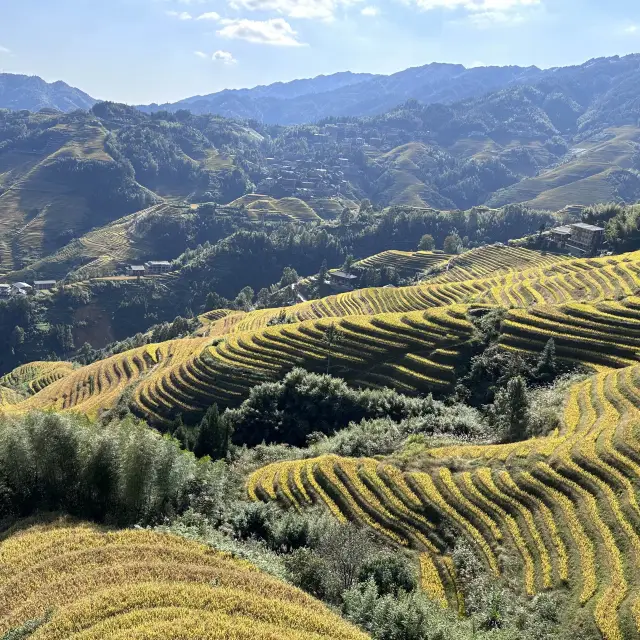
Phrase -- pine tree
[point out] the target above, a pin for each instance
(331, 338)
(510, 410)
(546, 368)
(214, 436)
(322, 274)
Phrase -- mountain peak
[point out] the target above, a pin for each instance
(19, 91)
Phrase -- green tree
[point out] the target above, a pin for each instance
(331, 338)
(452, 243)
(323, 276)
(16, 338)
(348, 263)
(263, 297)
(510, 410)
(289, 277)
(244, 299)
(427, 243)
(213, 301)
(546, 367)
(63, 335)
(346, 217)
(365, 205)
(214, 435)
(324, 270)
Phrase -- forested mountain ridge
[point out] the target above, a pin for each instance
(354, 94)
(33, 93)
(428, 84)
(570, 139)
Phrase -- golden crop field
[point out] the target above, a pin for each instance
(404, 262)
(140, 584)
(35, 376)
(258, 206)
(551, 280)
(98, 386)
(566, 504)
(487, 261)
(408, 338)
(411, 352)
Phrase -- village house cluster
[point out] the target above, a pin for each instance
(24, 288)
(330, 167)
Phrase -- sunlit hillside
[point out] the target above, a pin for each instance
(408, 338)
(588, 175)
(94, 583)
(566, 504)
(36, 207)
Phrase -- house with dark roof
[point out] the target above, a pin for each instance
(44, 285)
(342, 281)
(156, 267)
(586, 237)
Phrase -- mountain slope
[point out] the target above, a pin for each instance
(344, 94)
(33, 93)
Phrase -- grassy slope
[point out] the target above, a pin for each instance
(400, 165)
(258, 205)
(99, 250)
(583, 180)
(33, 209)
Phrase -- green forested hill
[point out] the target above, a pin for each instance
(570, 138)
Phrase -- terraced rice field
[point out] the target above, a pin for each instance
(488, 261)
(141, 584)
(407, 338)
(120, 241)
(9, 397)
(566, 504)
(98, 386)
(35, 207)
(406, 263)
(35, 376)
(558, 282)
(258, 206)
(411, 352)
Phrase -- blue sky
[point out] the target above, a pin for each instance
(141, 51)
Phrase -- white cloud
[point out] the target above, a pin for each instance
(4, 50)
(224, 56)
(318, 9)
(370, 11)
(180, 15)
(201, 54)
(485, 13)
(632, 28)
(476, 5)
(276, 31)
(210, 15)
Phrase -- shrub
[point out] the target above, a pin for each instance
(391, 573)
(307, 570)
(407, 616)
(291, 531)
(305, 403)
(253, 520)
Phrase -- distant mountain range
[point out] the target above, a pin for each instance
(339, 94)
(33, 93)
(347, 94)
